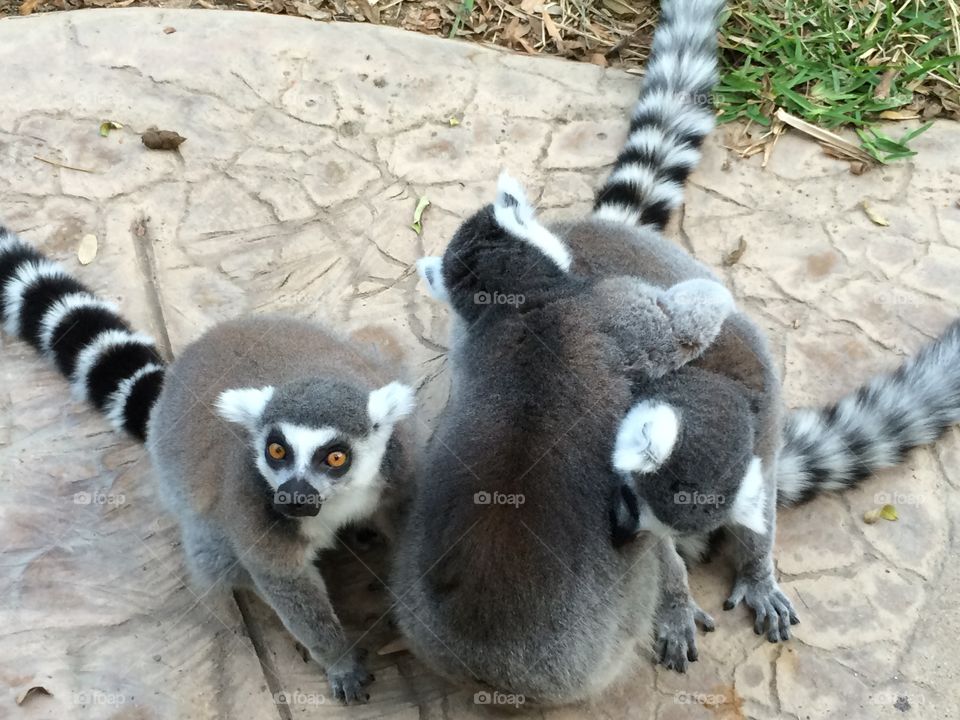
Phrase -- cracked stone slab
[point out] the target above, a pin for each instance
(308, 148)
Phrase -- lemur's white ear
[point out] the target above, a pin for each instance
(697, 309)
(430, 269)
(646, 437)
(516, 215)
(243, 406)
(390, 403)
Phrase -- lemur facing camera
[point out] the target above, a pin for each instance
(621, 382)
(267, 435)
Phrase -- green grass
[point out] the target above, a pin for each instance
(824, 60)
(463, 12)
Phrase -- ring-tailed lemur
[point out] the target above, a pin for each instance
(267, 435)
(532, 597)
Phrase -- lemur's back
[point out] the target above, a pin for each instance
(608, 249)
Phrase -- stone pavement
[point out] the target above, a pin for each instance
(308, 147)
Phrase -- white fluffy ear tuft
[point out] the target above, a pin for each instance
(516, 215)
(430, 269)
(646, 437)
(390, 403)
(243, 406)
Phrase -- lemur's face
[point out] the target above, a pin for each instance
(316, 438)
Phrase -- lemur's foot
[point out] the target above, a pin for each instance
(773, 612)
(349, 678)
(677, 633)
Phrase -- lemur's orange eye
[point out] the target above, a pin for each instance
(277, 451)
(336, 459)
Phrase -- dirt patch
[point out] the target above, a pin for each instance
(604, 32)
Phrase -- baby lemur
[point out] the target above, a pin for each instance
(604, 343)
(267, 435)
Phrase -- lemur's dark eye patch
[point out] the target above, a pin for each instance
(276, 450)
(333, 459)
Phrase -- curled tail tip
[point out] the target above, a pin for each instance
(116, 369)
(874, 427)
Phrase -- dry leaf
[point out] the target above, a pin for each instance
(87, 250)
(418, 215)
(551, 27)
(733, 257)
(169, 30)
(619, 7)
(28, 6)
(31, 692)
(887, 512)
(882, 91)
(107, 125)
(162, 139)
(899, 115)
(875, 217)
(831, 140)
(453, 121)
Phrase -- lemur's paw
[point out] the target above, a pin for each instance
(772, 610)
(677, 634)
(349, 678)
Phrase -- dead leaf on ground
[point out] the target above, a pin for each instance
(169, 30)
(887, 512)
(882, 91)
(32, 692)
(835, 143)
(162, 139)
(899, 115)
(87, 250)
(107, 125)
(28, 6)
(875, 217)
(422, 205)
(733, 257)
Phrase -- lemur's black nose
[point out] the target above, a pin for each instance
(297, 498)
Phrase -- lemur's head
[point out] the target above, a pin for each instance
(313, 438)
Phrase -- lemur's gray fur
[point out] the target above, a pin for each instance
(547, 597)
(267, 435)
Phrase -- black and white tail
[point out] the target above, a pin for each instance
(873, 428)
(671, 119)
(116, 369)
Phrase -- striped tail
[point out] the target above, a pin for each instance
(116, 369)
(873, 428)
(671, 119)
